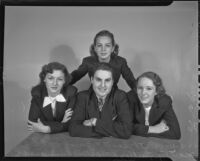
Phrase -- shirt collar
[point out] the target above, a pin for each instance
(49, 100)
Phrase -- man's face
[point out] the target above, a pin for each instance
(102, 82)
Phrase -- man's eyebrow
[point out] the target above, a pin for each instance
(108, 79)
(97, 78)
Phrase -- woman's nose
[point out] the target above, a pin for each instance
(54, 82)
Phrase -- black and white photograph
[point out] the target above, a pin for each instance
(101, 81)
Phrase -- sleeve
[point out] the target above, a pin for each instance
(137, 127)
(80, 72)
(171, 120)
(76, 128)
(120, 125)
(169, 116)
(56, 126)
(34, 112)
(128, 75)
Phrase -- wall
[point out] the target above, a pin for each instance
(161, 39)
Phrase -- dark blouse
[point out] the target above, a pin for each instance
(118, 64)
(161, 110)
(114, 119)
(45, 114)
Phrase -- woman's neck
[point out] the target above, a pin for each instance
(107, 60)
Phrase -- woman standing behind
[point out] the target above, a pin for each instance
(104, 49)
(52, 100)
(152, 110)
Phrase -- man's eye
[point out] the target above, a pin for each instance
(60, 79)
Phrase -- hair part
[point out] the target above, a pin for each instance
(108, 34)
(157, 81)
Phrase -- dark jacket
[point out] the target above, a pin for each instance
(45, 114)
(118, 64)
(115, 106)
(161, 110)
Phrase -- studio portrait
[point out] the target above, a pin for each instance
(101, 81)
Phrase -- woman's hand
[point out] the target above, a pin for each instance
(159, 128)
(67, 116)
(38, 127)
(90, 122)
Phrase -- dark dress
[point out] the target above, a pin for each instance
(114, 119)
(118, 64)
(45, 114)
(161, 110)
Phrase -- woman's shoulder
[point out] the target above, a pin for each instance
(37, 90)
(89, 59)
(119, 58)
(164, 100)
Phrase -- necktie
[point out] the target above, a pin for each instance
(100, 104)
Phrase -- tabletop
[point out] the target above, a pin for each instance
(63, 145)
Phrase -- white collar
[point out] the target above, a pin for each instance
(49, 100)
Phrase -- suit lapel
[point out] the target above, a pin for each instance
(140, 114)
(155, 113)
(47, 111)
(93, 110)
(60, 109)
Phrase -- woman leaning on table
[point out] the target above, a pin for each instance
(153, 115)
(52, 100)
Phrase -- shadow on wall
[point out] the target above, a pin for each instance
(16, 108)
(65, 55)
(141, 62)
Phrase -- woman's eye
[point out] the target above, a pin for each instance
(108, 45)
(149, 88)
(50, 78)
(98, 45)
(60, 79)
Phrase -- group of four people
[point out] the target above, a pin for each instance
(103, 109)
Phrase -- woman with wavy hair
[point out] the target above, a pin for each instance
(52, 100)
(152, 111)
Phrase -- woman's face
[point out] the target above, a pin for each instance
(104, 47)
(146, 91)
(54, 82)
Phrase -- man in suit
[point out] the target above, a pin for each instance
(102, 110)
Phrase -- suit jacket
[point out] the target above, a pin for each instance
(45, 113)
(118, 64)
(161, 110)
(114, 119)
